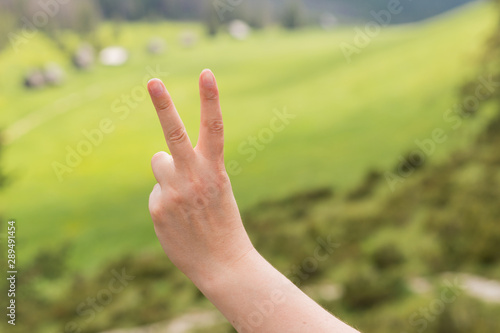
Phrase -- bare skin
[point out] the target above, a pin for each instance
(198, 224)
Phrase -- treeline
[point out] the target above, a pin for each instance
(110, 9)
(131, 10)
(84, 17)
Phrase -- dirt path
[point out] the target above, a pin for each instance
(43, 115)
(182, 324)
(481, 288)
(475, 286)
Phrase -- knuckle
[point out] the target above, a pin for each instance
(199, 199)
(212, 95)
(215, 185)
(199, 192)
(215, 126)
(195, 193)
(156, 211)
(175, 199)
(177, 135)
(194, 187)
(157, 157)
(221, 180)
(164, 104)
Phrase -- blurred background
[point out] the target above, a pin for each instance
(366, 131)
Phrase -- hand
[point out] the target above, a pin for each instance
(195, 215)
(199, 226)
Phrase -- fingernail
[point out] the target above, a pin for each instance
(156, 88)
(208, 79)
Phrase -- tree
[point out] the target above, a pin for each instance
(7, 21)
(490, 65)
(260, 14)
(212, 20)
(293, 15)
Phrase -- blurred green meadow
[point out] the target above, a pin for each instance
(347, 120)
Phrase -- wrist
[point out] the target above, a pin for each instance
(220, 280)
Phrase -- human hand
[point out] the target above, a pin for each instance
(199, 226)
(195, 215)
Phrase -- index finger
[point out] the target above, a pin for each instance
(175, 133)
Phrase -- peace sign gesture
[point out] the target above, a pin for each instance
(196, 217)
(211, 138)
(199, 226)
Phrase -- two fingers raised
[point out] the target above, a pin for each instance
(211, 138)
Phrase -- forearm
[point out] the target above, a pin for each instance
(197, 221)
(255, 297)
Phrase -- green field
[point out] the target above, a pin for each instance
(350, 118)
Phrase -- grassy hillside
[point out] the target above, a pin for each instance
(349, 118)
(442, 218)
